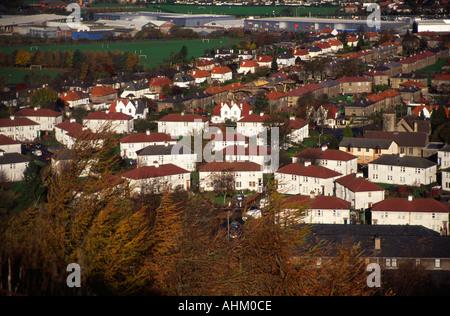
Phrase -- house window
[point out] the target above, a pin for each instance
(437, 263)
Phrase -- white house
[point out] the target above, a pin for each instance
(357, 190)
(12, 166)
(222, 140)
(158, 178)
(75, 98)
(183, 80)
(258, 154)
(178, 155)
(443, 155)
(248, 66)
(116, 122)
(46, 118)
(299, 130)
(66, 130)
(314, 209)
(182, 124)
(265, 61)
(301, 53)
(285, 60)
(221, 74)
(20, 128)
(429, 213)
(135, 90)
(245, 175)
(9, 145)
(305, 178)
(233, 111)
(135, 108)
(252, 124)
(445, 179)
(402, 170)
(333, 159)
(201, 76)
(130, 144)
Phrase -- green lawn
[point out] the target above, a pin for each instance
(155, 52)
(15, 75)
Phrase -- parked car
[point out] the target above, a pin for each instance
(254, 212)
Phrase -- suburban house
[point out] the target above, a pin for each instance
(182, 124)
(12, 166)
(157, 84)
(136, 108)
(285, 59)
(20, 128)
(201, 76)
(116, 122)
(357, 190)
(158, 178)
(65, 131)
(183, 80)
(221, 73)
(233, 111)
(258, 154)
(252, 124)
(301, 53)
(247, 66)
(130, 144)
(314, 209)
(103, 94)
(402, 170)
(429, 213)
(354, 85)
(75, 98)
(177, 154)
(46, 118)
(135, 90)
(305, 178)
(9, 145)
(366, 149)
(264, 61)
(443, 155)
(337, 160)
(243, 175)
(409, 143)
(299, 130)
(221, 140)
(445, 179)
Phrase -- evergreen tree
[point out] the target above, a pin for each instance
(32, 191)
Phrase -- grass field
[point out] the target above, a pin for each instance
(15, 75)
(155, 52)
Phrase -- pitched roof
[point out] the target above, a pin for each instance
(255, 118)
(249, 63)
(12, 158)
(110, 116)
(5, 140)
(174, 117)
(154, 171)
(405, 161)
(356, 183)
(160, 81)
(37, 113)
(327, 154)
(365, 143)
(309, 171)
(198, 73)
(242, 166)
(220, 70)
(102, 91)
(146, 138)
(69, 126)
(19, 121)
(243, 106)
(264, 59)
(416, 205)
(297, 123)
(275, 95)
(164, 150)
(353, 79)
(319, 202)
(407, 139)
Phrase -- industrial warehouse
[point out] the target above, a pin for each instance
(299, 24)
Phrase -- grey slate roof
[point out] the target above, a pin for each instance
(162, 150)
(12, 158)
(365, 143)
(405, 161)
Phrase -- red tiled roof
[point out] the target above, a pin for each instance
(358, 184)
(416, 205)
(111, 116)
(220, 70)
(249, 63)
(304, 90)
(113, 105)
(319, 202)
(144, 138)
(233, 86)
(309, 171)
(323, 45)
(254, 118)
(204, 62)
(244, 106)
(200, 73)
(182, 118)
(18, 121)
(102, 91)
(72, 96)
(243, 166)
(70, 127)
(412, 83)
(352, 79)
(5, 140)
(327, 154)
(297, 123)
(264, 59)
(153, 172)
(300, 52)
(275, 95)
(37, 113)
(160, 81)
(214, 90)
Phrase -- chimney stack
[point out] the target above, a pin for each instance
(410, 198)
(377, 243)
(307, 163)
(147, 132)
